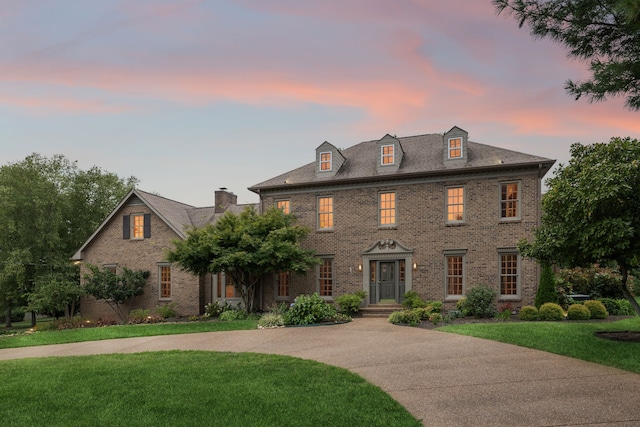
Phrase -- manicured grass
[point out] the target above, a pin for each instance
(124, 331)
(191, 388)
(568, 338)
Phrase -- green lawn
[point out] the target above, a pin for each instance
(124, 331)
(189, 388)
(568, 338)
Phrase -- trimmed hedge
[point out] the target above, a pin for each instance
(578, 312)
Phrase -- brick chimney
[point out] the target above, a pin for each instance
(224, 199)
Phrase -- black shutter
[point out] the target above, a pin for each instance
(126, 228)
(147, 226)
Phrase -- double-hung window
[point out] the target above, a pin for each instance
(455, 204)
(325, 278)
(509, 200)
(284, 206)
(454, 274)
(387, 209)
(387, 155)
(282, 285)
(164, 274)
(325, 161)
(455, 148)
(509, 275)
(325, 213)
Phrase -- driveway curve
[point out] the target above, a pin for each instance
(441, 378)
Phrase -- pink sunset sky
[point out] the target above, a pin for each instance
(189, 96)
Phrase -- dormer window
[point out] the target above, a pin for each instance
(387, 155)
(325, 161)
(455, 148)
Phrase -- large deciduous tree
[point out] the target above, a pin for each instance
(604, 32)
(245, 246)
(48, 208)
(591, 211)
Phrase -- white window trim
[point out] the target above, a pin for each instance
(518, 216)
(333, 219)
(330, 161)
(160, 297)
(449, 149)
(393, 155)
(333, 278)
(446, 205)
(517, 296)
(395, 209)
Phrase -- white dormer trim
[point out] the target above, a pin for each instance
(454, 148)
(387, 158)
(323, 161)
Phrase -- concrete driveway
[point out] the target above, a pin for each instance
(443, 379)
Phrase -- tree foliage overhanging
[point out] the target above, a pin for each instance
(245, 246)
(48, 208)
(604, 32)
(591, 211)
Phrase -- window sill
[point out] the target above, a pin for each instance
(508, 220)
(387, 227)
(509, 298)
(455, 224)
(325, 230)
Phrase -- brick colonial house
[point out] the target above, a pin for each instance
(137, 234)
(432, 213)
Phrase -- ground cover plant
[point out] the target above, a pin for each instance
(573, 339)
(180, 388)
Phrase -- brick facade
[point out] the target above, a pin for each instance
(110, 249)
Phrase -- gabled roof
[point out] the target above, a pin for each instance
(178, 216)
(423, 156)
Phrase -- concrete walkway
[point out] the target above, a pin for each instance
(443, 379)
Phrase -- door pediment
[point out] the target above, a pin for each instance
(387, 247)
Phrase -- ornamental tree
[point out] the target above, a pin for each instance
(590, 213)
(245, 246)
(606, 33)
(115, 289)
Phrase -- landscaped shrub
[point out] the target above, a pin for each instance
(528, 312)
(271, 320)
(215, 308)
(578, 312)
(460, 306)
(595, 281)
(233, 315)
(436, 318)
(412, 300)
(504, 312)
(625, 308)
(551, 311)
(349, 304)
(597, 309)
(480, 302)
(308, 309)
(547, 287)
(166, 310)
(405, 317)
(611, 305)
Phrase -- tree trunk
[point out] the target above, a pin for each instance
(625, 291)
(33, 319)
(7, 317)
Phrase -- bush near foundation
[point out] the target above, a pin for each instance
(480, 302)
(597, 309)
(309, 309)
(618, 307)
(551, 312)
(528, 312)
(578, 312)
(405, 317)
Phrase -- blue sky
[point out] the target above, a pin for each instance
(190, 96)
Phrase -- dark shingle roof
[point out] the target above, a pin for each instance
(178, 216)
(423, 155)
